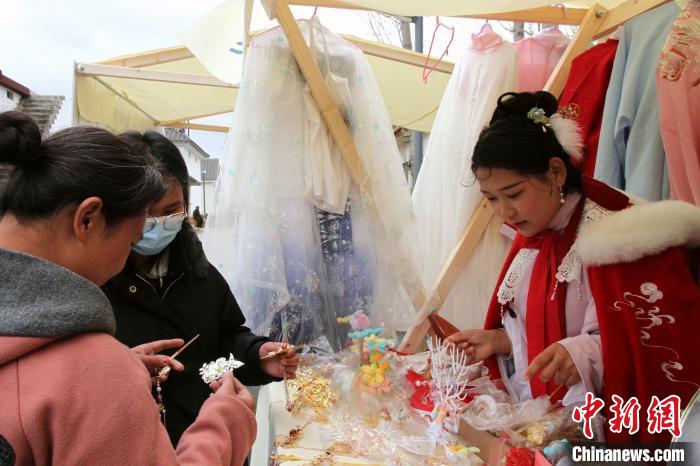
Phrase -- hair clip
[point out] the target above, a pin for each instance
(538, 116)
(278, 351)
(215, 370)
(570, 111)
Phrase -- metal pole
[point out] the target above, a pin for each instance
(204, 194)
(417, 135)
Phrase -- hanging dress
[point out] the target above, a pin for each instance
(630, 152)
(446, 192)
(299, 243)
(583, 96)
(678, 85)
(538, 55)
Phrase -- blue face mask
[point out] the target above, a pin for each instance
(158, 237)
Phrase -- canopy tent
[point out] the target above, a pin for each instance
(170, 87)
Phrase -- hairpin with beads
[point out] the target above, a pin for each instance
(162, 373)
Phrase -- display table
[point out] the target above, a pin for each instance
(337, 418)
(273, 419)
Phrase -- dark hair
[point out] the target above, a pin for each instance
(170, 163)
(173, 169)
(70, 166)
(515, 142)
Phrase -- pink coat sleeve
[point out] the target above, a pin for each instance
(87, 400)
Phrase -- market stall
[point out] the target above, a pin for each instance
(363, 376)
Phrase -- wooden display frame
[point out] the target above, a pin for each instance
(595, 23)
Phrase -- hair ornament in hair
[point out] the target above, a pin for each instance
(569, 136)
(538, 116)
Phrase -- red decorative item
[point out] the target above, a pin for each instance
(421, 398)
(520, 457)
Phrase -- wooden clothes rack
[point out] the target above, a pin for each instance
(596, 22)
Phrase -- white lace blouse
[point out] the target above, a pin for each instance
(582, 333)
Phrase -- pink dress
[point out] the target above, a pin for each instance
(538, 56)
(678, 86)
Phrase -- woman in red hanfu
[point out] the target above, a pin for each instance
(596, 294)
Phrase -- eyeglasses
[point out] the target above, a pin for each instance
(170, 222)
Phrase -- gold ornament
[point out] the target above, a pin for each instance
(310, 388)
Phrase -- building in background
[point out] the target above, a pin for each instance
(43, 108)
(203, 169)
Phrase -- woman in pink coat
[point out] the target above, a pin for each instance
(72, 394)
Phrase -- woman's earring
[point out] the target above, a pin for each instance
(561, 195)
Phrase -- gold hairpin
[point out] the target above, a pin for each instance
(277, 352)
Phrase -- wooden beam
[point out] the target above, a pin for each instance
(328, 4)
(150, 58)
(623, 13)
(545, 15)
(198, 127)
(89, 69)
(454, 264)
(398, 54)
(580, 43)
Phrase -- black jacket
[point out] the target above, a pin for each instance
(200, 302)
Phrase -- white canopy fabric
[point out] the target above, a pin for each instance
(138, 95)
(121, 103)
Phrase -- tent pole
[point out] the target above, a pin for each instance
(417, 135)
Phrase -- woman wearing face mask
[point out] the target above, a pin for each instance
(71, 394)
(596, 295)
(169, 290)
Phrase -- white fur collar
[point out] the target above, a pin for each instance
(639, 231)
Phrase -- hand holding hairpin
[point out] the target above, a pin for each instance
(278, 359)
(282, 349)
(154, 362)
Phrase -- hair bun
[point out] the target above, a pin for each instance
(20, 139)
(518, 104)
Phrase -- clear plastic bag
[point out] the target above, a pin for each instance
(486, 413)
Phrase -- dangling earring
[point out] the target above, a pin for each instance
(561, 195)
